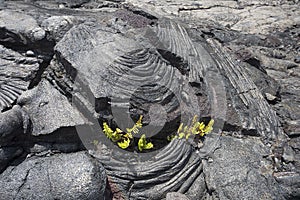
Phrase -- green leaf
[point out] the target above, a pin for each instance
(180, 128)
(181, 135)
(124, 144)
(143, 144)
(209, 126)
(135, 128)
(107, 130)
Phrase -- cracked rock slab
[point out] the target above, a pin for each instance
(49, 110)
(237, 167)
(66, 176)
(16, 27)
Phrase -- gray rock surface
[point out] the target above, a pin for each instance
(8, 154)
(176, 196)
(49, 110)
(289, 183)
(2, 3)
(65, 176)
(16, 73)
(57, 26)
(236, 167)
(87, 56)
(254, 113)
(13, 124)
(198, 190)
(154, 177)
(246, 52)
(72, 3)
(18, 28)
(254, 17)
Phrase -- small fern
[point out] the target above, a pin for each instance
(196, 128)
(124, 140)
(143, 144)
(112, 135)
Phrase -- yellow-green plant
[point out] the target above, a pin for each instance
(143, 144)
(135, 128)
(196, 128)
(124, 139)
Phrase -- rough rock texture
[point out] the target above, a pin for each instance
(16, 73)
(176, 196)
(57, 26)
(80, 45)
(169, 171)
(229, 176)
(152, 51)
(66, 176)
(254, 17)
(48, 109)
(66, 66)
(14, 123)
(8, 154)
(18, 27)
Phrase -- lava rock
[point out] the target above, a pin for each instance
(290, 183)
(292, 128)
(72, 3)
(16, 74)
(176, 196)
(290, 114)
(57, 26)
(270, 97)
(49, 110)
(30, 53)
(67, 176)
(239, 166)
(2, 4)
(17, 28)
(92, 57)
(198, 188)
(297, 59)
(86, 58)
(13, 123)
(7, 154)
(268, 86)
